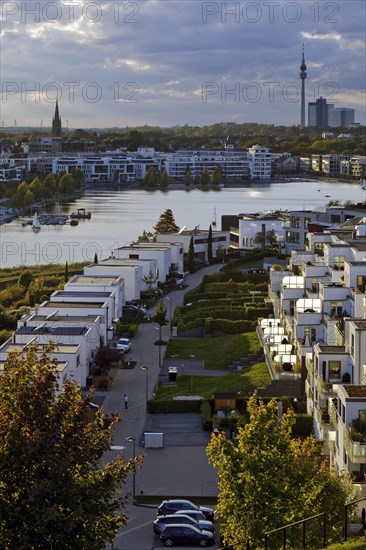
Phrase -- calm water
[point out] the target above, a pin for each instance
(118, 217)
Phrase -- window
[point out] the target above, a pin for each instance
(334, 368)
(292, 237)
(361, 283)
(335, 218)
(319, 249)
(295, 221)
(338, 262)
(336, 309)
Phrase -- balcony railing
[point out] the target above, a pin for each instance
(333, 413)
(355, 449)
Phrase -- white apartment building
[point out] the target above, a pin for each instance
(85, 283)
(321, 304)
(220, 242)
(260, 161)
(132, 275)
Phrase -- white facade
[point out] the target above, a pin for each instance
(83, 283)
(132, 275)
(260, 162)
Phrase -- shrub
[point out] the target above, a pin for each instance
(206, 417)
(303, 426)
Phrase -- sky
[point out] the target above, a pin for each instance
(176, 62)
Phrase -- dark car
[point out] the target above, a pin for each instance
(195, 514)
(173, 505)
(186, 534)
(182, 519)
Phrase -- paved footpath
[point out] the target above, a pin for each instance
(173, 470)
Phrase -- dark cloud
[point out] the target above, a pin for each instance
(169, 49)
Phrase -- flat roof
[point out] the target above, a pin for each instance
(58, 331)
(74, 305)
(359, 323)
(97, 279)
(332, 349)
(61, 365)
(91, 293)
(59, 348)
(355, 391)
(112, 263)
(62, 318)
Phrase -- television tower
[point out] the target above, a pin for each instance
(302, 77)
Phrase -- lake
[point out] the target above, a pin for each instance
(120, 216)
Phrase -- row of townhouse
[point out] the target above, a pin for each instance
(78, 317)
(127, 167)
(320, 317)
(291, 228)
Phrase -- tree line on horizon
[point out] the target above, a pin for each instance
(290, 139)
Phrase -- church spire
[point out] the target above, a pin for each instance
(56, 122)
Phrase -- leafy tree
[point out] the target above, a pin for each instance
(25, 278)
(164, 182)
(188, 177)
(56, 490)
(146, 237)
(216, 176)
(151, 177)
(29, 198)
(166, 223)
(270, 238)
(105, 356)
(268, 479)
(160, 314)
(66, 272)
(150, 281)
(50, 183)
(36, 186)
(190, 255)
(209, 244)
(205, 177)
(66, 185)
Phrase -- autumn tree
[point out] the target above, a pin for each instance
(164, 182)
(166, 223)
(56, 488)
(188, 177)
(216, 175)
(267, 479)
(205, 177)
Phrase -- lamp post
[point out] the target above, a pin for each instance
(146, 369)
(130, 438)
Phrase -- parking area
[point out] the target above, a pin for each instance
(138, 533)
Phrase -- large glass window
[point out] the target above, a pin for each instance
(292, 237)
(334, 368)
(295, 221)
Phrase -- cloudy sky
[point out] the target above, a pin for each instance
(175, 62)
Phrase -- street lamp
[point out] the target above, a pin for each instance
(146, 369)
(130, 438)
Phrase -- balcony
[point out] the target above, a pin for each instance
(325, 389)
(356, 450)
(332, 411)
(322, 415)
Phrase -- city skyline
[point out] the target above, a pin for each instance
(173, 63)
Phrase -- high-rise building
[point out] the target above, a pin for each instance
(341, 117)
(56, 123)
(302, 77)
(318, 113)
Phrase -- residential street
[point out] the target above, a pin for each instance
(180, 469)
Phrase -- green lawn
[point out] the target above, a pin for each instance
(355, 545)
(217, 353)
(205, 386)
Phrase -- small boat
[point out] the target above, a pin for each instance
(74, 222)
(36, 226)
(214, 217)
(81, 214)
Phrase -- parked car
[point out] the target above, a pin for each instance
(195, 514)
(182, 519)
(134, 307)
(124, 344)
(186, 534)
(173, 505)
